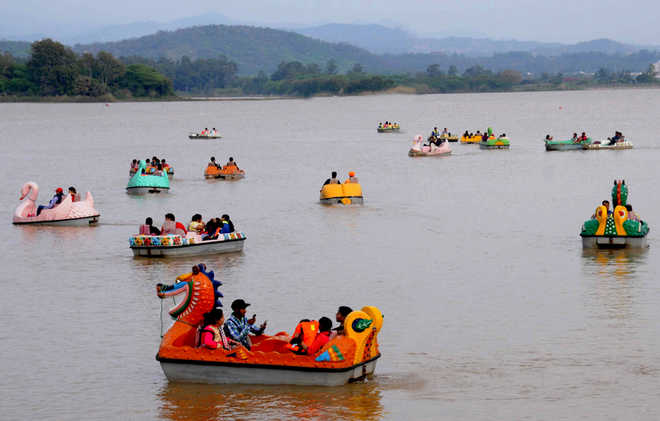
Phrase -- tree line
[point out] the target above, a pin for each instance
(55, 70)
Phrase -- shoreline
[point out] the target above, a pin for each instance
(396, 90)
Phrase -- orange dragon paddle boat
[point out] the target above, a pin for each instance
(228, 172)
(344, 359)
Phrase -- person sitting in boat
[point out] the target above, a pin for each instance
(205, 132)
(232, 163)
(342, 313)
(212, 335)
(548, 138)
(148, 228)
(212, 163)
(351, 178)
(214, 132)
(575, 138)
(618, 137)
(171, 226)
(322, 337)
(632, 215)
(196, 224)
(484, 137)
(380, 125)
(445, 132)
(239, 328)
(56, 200)
(227, 225)
(583, 137)
(75, 197)
(502, 137)
(158, 171)
(165, 165)
(605, 203)
(135, 165)
(333, 179)
(213, 227)
(435, 132)
(304, 334)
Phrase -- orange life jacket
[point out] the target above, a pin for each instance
(309, 330)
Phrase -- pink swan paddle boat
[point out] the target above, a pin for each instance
(418, 149)
(67, 212)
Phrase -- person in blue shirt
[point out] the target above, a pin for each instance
(56, 200)
(227, 225)
(238, 327)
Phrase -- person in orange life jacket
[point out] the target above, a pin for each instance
(232, 163)
(212, 334)
(342, 313)
(323, 337)
(304, 333)
(170, 226)
(56, 200)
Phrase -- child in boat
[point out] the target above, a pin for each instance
(75, 197)
(148, 228)
(196, 224)
(322, 338)
(212, 334)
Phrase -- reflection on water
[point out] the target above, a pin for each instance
(359, 401)
(619, 263)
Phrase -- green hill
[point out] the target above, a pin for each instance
(252, 48)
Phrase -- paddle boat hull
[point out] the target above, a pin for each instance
(609, 242)
(228, 373)
(388, 130)
(566, 145)
(73, 222)
(195, 136)
(605, 146)
(473, 139)
(170, 174)
(137, 190)
(486, 145)
(425, 151)
(342, 194)
(224, 173)
(145, 246)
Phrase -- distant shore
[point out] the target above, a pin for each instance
(397, 90)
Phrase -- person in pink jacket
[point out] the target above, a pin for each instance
(212, 334)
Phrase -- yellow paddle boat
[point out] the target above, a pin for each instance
(345, 194)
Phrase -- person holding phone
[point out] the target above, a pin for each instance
(239, 328)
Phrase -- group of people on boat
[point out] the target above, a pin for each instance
(208, 231)
(308, 337)
(437, 138)
(484, 136)
(58, 197)
(207, 132)
(575, 138)
(388, 125)
(230, 163)
(334, 180)
(632, 215)
(154, 166)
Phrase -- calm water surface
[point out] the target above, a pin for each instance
(492, 309)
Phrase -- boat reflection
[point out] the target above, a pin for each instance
(359, 401)
(620, 263)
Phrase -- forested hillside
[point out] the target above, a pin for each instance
(251, 48)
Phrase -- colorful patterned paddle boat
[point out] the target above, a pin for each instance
(147, 183)
(619, 229)
(189, 245)
(344, 359)
(67, 212)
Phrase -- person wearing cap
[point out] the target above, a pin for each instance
(351, 178)
(238, 327)
(56, 200)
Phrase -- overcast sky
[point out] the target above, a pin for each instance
(547, 20)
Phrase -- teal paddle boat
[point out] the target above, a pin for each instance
(566, 145)
(147, 183)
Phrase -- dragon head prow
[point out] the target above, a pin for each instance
(200, 291)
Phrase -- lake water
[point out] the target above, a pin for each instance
(492, 309)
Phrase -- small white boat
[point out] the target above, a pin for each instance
(191, 245)
(617, 146)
